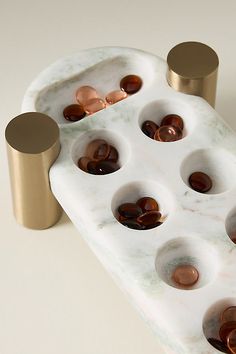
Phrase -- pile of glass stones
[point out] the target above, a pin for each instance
(227, 332)
(170, 129)
(142, 215)
(100, 158)
(89, 101)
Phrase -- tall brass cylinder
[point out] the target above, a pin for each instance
(193, 69)
(33, 145)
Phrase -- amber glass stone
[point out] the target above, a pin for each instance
(225, 330)
(131, 84)
(200, 182)
(92, 167)
(149, 218)
(185, 275)
(168, 133)
(132, 224)
(147, 204)
(218, 344)
(85, 93)
(116, 96)
(94, 105)
(98, 149)
(174, 120)
(113, 154)
(129, 210)
(149, 128)
(231, 341)
(74, 112)
(83, 163)
(229, 314)
(152, 226)
(106, 167)
(233, 236)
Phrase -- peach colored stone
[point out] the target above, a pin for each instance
(85, 93)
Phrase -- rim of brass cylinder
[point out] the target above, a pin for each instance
(33, 145)
(192, 69)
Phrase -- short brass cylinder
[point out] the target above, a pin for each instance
(193, 69)
(33, 145)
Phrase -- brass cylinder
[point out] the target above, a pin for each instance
(192, 69)
(33, 145)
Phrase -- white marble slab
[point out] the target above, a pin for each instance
(195, 227)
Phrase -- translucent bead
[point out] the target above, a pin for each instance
(200, 182)
(131, 84)
(168, 133)
(174, 120)
(85, 93)
(185, 276)
(94, 105)
(74, 112)
(116, 96)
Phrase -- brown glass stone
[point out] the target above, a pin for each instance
(225, 330)
(85, 93)
(132, 224)
(185, 276)
(233, 236)
(152, 226)
(149, 128)
(219, 345)
(231, 341)
(174, 120)
(229, 314)
(106, 167)
(131, 84)
(94, 105)
(148, 204)
(168, 133)
(113, 154)
(116, 96)
(83, 163)
(149, 218)
(129, 210)
(98, 149)
(200, 182)
(92, 167)
(74, 112)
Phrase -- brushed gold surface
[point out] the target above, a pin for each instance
(33, 145)
(193, 69)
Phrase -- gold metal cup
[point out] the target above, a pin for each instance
(192, 69)
(33, 145)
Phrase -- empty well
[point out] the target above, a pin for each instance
(133, 191)
(115, 139)
(187, 251)
(157, 110)
(104, 76)
(218, 164)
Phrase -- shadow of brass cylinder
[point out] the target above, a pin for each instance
(193, 69)
(32, 146)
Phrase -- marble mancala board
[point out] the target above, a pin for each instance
(197, 225)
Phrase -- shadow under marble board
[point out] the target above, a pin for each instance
(194, 228)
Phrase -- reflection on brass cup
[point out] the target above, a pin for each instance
(192, 69)
(33, 145)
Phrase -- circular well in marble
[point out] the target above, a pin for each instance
(114, 139)
(157, 110)
(187, 251)
(230, 225)
(131, 192)
(217, 163)
(212, 319)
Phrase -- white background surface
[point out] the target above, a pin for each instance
(55, 297)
